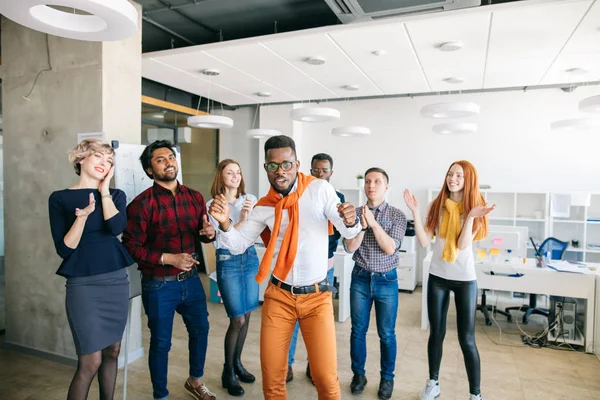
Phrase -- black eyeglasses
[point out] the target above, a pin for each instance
(273, 166)
(319, 170)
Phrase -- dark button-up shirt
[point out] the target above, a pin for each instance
(159, 222)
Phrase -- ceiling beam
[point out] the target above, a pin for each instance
(175, 9)
(167, 30)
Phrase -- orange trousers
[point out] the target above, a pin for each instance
(314, 311)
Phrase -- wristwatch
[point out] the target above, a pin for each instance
(228, 229)
(354, 224)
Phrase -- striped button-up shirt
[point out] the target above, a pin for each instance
(369, 255)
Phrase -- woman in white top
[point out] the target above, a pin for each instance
(235, 275)
(456, 217)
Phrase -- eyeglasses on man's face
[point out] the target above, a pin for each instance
(285, 166)
(319, 170)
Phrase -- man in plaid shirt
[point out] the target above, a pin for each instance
(375, 280)
(164, 224)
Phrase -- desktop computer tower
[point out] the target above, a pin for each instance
(564, 312)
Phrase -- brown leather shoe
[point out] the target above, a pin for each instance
(201, 392)
(290, 374)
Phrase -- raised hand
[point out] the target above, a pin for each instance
(411, 201)
(481, 211)
(246, 209)
(348, 213)
(208, 229)
(105, 183)
(219, 209)
(88, 210)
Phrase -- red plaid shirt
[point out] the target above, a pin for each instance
(159, 222)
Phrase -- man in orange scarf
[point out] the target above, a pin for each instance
(293, 220)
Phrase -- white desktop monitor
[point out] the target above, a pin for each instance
(513, 238)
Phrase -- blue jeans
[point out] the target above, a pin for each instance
(161, 299)
(292, 350)
(382, 289)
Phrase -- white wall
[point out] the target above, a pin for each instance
(234, 144)
(513, 150)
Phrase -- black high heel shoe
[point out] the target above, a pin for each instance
(243, 374)
(230, 382)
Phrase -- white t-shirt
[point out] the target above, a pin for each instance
(463, 268)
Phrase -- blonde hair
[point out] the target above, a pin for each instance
(85, 149)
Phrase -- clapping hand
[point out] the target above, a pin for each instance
(88, 210)
(219, 209)
(481, 211)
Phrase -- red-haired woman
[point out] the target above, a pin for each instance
(457, 217)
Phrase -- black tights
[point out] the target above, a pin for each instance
(104, 363)
(465, 299)
(235, 338)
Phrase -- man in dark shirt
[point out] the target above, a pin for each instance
(321, 167)
(164, 224)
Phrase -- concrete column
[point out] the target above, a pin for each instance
(86, 87)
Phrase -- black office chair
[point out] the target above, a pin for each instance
(557, 249)
(486, 308)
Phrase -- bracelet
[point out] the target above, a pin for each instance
(107, 195)
(364, 229)
(162, 259)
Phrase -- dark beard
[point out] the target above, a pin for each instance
(288, 190)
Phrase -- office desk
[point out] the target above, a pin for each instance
(342, 271)
(534, 280)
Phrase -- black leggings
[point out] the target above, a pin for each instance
(465, 299)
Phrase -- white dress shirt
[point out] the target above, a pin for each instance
(317, 205)
(235, 214)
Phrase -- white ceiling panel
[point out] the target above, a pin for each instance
(526, 43)
(265, 65)
(467, 63)
(338, 70)
(534, 32)
(515, 72)
(586, 39)
(587, 68)
(159, 71)
(396, 71)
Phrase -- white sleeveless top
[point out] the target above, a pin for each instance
(463, 268)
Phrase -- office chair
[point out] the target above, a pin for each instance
(485, 309)
(557, 249)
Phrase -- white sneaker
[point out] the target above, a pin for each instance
(431, 391)
(475, 397)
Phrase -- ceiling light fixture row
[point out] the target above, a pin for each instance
(449, 111)
(588, 105)
(106, 20)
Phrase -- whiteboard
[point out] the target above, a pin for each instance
(129, 174)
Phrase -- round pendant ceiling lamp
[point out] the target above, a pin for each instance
(590, 104)
(315, 114)
(351, 131)
(105, 20)
(455, 128)
(260, 133)
(575, 124)
(450, 110)
(210, 121)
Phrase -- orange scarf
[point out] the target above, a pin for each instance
(289, 246)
